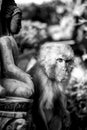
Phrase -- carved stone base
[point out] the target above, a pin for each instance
(15, 114)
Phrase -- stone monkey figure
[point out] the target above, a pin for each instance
(50, 76)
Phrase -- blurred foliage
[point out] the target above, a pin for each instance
(62, 20)
(49, 12)
(77, 95)
(31, 34)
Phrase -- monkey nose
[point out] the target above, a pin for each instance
(64, 65)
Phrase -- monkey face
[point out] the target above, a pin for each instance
(63, 69)
(56, 60)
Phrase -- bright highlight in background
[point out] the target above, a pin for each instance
(30, 1)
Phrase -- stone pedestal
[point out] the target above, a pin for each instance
(15, 113)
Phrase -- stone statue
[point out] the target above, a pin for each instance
(14, 83)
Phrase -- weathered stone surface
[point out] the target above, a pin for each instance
(15, 114)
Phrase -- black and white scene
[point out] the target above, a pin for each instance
(43, 65)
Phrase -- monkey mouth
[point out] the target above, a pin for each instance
(62, 80)
(63, 77)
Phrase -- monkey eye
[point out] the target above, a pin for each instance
(60, 59)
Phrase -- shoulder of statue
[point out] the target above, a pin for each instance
(10, 42)
(13, 43)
